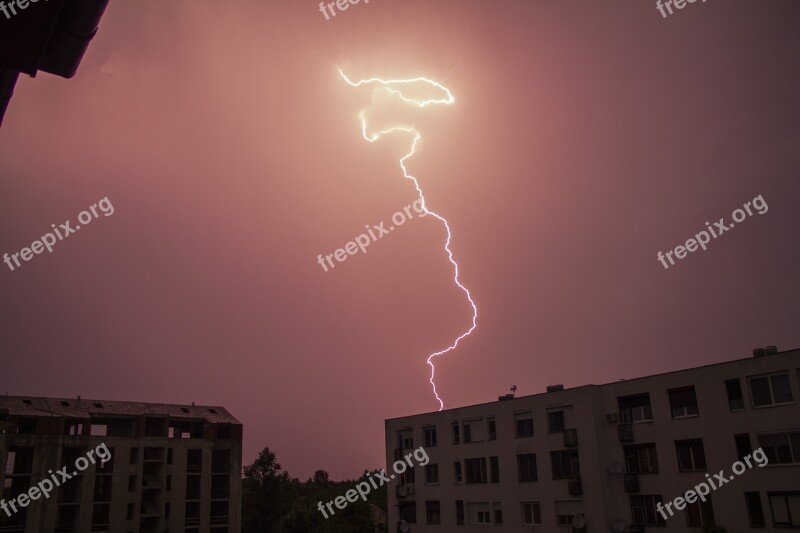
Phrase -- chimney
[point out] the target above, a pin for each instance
(555, 388)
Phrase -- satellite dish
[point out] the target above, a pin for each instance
(404, 527)
(579, 521)
(618, 525)
(402, 491)
(616, 468)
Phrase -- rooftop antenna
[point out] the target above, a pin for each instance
(513, 390)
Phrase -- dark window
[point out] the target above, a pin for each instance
(644, 512)
(691, 455)
(635, 409)
(467, 433)
(224, 431)
(433, 514)
(743, 446)
(523, 423)
(169, 456)
(785, 508)
(102, 488)
(492, 428)
(131, 483)
(755, 512)
(408, 477)
(526, 467)
(456, 434)
(683, 402)
(531, 513)
(476, 470)
(498, 514)
(100, 514)
(735, 398)
(457, 471)
(408, 512)
(555, 421)
(700, 513)
(460, 512)
(565, 464)
(430, 436)
(771, 390)
(26, 425)
(494, 469)
(131, 511)
(782, 448)
(432, 473)
(194, 461)
(641, 459)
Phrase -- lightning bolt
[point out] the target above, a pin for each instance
(387, 85)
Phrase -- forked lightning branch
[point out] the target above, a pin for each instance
(394, 87)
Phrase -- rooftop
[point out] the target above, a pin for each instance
(82, 408)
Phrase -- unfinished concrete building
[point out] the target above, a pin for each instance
(171, 467)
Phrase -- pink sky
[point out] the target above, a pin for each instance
(585, 137)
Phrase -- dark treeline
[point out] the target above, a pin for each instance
(273, 502)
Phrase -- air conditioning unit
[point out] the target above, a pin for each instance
(403, 526)
(625, 432)
(611, 417)
(404, 491)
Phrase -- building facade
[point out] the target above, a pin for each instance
(612, 457)
(127, 467)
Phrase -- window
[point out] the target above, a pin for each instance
(476, 470)
(523, 422)
(683, 402)
(635, 409)
(433, 514)
(497, 507)
(643, 510)
(134, 456)
(755, 512)
(770, 390)
(555, 421)
(531, 513)
(408, 512)
(408, 477)
(743, 446)
(473, 430)
(460, 512)
(484, 517)
(641, 459)
(735, 398)
(691, 455)
(100, 514)
(429, 434)
(405, 439)
(781, 448)
(131, 483)
(526, 467)
(700, 513)
(432, 473)
(467, 433)
(456, 433)
(565, 464)
(457, 471)
(491, 428)
(494, 469)
(785, 507)
(131, 511)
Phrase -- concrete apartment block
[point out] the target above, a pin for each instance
(174, 468)
(600, 458)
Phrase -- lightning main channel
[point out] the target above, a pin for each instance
(387, 85)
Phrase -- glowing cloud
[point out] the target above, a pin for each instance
(388, 86)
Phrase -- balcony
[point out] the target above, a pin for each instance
(625, 432)
(631, 483)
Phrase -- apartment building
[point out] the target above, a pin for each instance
(172, 468)
(610, 457)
